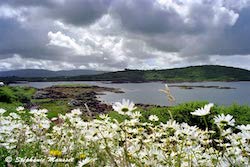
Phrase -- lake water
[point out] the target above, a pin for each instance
(148, 93)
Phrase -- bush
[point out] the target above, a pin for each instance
(6, 95)
(240, 112)
(16, 94)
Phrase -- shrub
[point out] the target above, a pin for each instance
(6, 95)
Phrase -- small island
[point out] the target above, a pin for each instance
(201, 86)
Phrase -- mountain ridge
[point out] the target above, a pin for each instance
(47, 73)
(184, 74)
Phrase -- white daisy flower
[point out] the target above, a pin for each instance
(85, 161)
(54, 119)
(2, 111)
(222, 120)
(153, 118)
(245, 134)
(20, 108)
(125, 107)
(103, 116)
(203, 111)
(76, 111)
(38, 112)
(226, 132)
(14, 115)
(136, 114)
(244, 127)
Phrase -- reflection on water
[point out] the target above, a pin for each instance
(148, 93)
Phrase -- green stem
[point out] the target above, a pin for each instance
(204, 118)
(108, 151)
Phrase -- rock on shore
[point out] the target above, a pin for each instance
(83, 97)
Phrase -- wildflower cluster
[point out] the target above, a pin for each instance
(107, 142)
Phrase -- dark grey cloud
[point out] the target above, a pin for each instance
(27, 3)
(233, 40)
(149, 17)
(76, 12)
(79, 12)
(144, 17)
(30, 42)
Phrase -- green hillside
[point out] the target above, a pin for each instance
(191, 74)
(200, 73)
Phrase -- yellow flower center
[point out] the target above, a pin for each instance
(55, 153)
(82, 156)
(140, 129)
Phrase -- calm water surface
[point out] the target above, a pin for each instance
(148, 93)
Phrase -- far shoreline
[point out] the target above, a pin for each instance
(183, 85)
(122, 82)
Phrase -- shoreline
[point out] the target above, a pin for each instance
(122, 82)
(74, 97)
(79, 97)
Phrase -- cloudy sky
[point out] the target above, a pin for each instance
(118, 34)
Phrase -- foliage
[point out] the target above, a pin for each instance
(192, 74)
(199, 73)
(181, 113)
(54, 106)
(10, 107)
(240, 112)
(6, 95)
(16, 94)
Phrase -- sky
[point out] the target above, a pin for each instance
(116, 34)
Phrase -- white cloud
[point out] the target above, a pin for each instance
(237, 5)
(7, 12)
(17, 62)
(61, 40)
(235, 60)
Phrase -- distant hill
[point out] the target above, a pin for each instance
(47, 73)
(185, 74)
(191, 74)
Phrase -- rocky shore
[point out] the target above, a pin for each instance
(83, 97)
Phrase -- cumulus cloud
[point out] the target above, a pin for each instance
(17, 62)
(118, 34)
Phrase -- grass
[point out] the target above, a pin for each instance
(181, 113)
(10, 107)
(16, 94)
(240, 112)
(12, 97)
(55, 107)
